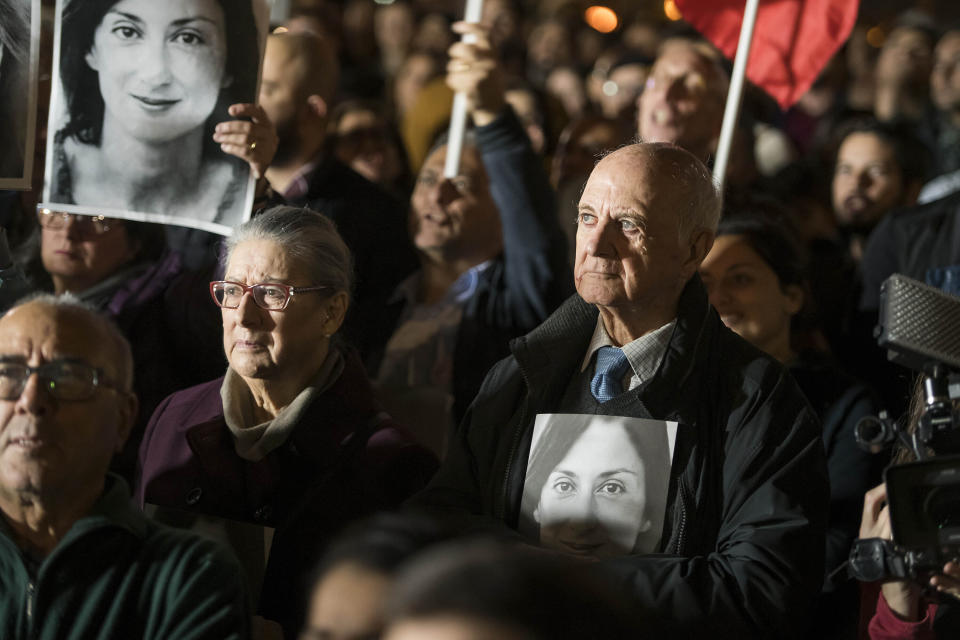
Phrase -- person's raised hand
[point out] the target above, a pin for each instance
(475, 70)
(253, 139)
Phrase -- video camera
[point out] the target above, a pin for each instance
(920, 328)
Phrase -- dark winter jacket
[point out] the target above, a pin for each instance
(921, 242)
(743, 539)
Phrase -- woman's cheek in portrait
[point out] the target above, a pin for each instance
(603, 521)
(160, 78)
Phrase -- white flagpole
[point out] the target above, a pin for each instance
(458, 117)
(732, 110)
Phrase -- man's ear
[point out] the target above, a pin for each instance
(127, 407)
(700, 243)
(795, 298)
(317, 105)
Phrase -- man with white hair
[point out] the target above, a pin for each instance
(740, 547)
(79, 560)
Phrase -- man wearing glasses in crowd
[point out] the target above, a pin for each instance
(77, 557)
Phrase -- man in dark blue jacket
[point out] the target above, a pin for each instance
(492, 260)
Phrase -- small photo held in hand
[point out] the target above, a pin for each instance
(19, 63)
(597, 485)
(139, 87)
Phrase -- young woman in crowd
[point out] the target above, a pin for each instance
(755, 277)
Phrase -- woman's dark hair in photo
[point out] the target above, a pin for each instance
(81, 86)
(536, 594)
(15, 29)
(14, 69)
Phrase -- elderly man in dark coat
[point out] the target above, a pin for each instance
(740, 549)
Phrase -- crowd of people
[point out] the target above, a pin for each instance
(573, 391)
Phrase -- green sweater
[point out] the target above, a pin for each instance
(118, 575)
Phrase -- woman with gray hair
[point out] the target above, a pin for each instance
(291, 438)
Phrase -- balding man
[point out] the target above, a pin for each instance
(734, 508)
(684, 98)
(299, 83)
(78, 560)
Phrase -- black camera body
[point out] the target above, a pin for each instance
(920, 327)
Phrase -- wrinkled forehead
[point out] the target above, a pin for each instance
(39, 333)
(655, 181)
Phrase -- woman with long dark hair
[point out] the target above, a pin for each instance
(146, 84)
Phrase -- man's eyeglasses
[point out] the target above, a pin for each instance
(63, 379)
(85, 225)
(269, 296)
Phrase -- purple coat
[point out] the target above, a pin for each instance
(305, 488)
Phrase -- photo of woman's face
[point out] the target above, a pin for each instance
(593, 501)
(161, 65)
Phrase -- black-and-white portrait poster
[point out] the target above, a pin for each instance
(19, 64)
(139, 87)
(597, 485)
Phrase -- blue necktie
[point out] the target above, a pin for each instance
(608, 375)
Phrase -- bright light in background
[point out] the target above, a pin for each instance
(670, 10)
(603, 19)
(280, 30)
(875, 37)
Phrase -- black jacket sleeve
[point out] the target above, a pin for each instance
(536, 274)
(760, 578)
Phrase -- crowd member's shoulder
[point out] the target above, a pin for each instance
(760, 389)
(197, 586)
(921, 213)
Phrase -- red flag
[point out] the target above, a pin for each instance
(792, 40)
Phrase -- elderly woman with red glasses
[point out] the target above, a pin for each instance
(291, 437)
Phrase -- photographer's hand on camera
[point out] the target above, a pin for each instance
(902, 596)
(948, 582)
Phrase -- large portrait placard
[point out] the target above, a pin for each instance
(597, 485)
(19, 68)
(139, 86)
